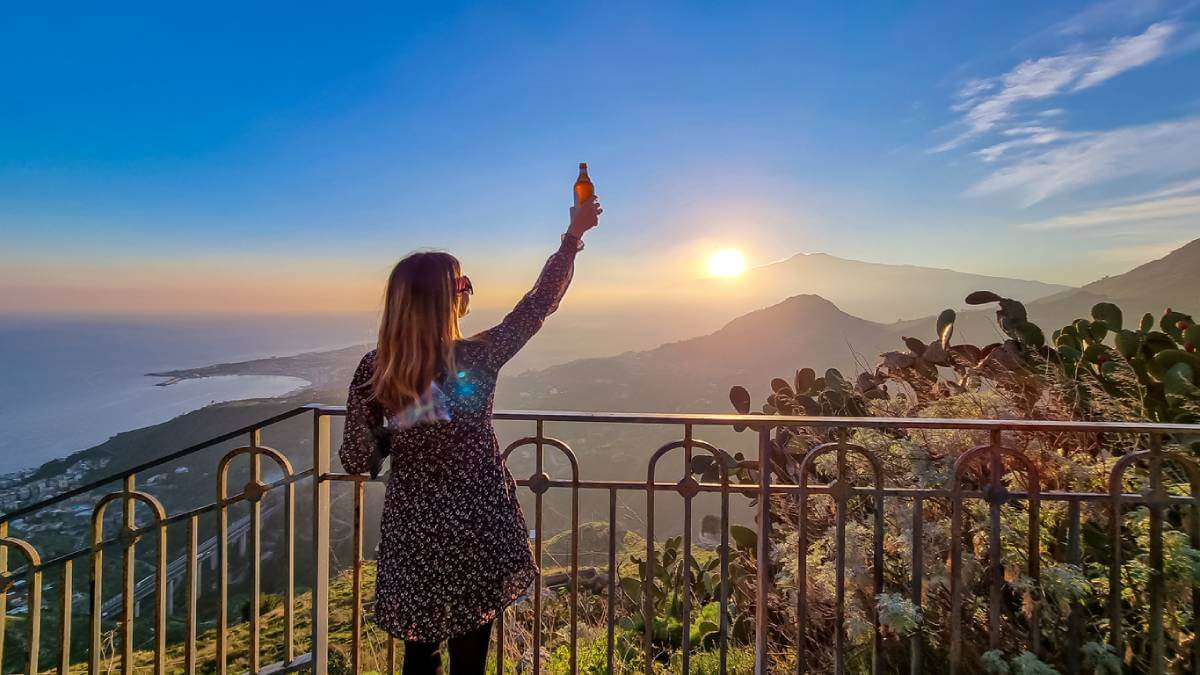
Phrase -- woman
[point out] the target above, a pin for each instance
(454, 550)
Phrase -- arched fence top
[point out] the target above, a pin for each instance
(160, 514)
(1117, 474)
(1032, 476)
(24, 548)
(543, 441)
(717, 455)
(810, 457)
(255, 489)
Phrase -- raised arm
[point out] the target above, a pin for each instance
(357, 452)
(507, 338)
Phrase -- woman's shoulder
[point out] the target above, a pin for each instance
(366, 367)
(467, 344)
(471, 350)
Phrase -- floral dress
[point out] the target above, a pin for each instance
(455, 549)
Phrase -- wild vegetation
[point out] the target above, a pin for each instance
(1092, 369)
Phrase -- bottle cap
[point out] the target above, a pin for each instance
(583, 165)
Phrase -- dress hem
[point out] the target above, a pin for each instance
(515, 587)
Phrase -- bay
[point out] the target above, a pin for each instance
(68, 383)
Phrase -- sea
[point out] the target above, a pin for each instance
(69, 383)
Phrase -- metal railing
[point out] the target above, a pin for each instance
(24, 573)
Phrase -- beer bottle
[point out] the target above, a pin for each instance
(584, 190)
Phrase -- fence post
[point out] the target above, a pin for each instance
(320, 542)
(3, 595)
(763, 582)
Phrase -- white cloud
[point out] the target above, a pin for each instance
(973, 88)
(1147, 226)
(1127, 53)
(1025, 136)
(1017, 125)
(1185, 187)
(1114, 14)
(1137, 213)
(987, 103)
(1159, 149)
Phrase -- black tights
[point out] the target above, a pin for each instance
(468, 654)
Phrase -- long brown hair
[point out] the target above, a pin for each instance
(418, 328)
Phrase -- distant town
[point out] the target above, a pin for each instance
(19, 489)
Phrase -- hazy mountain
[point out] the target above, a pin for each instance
(809, 330)
(695, 374)
(1172, 281)
(874, 291)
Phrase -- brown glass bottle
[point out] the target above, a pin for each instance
(584, 190)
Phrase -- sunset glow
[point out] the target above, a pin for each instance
(727, 262)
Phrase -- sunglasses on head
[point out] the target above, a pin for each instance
(463, 285)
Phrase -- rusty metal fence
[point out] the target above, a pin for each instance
(23, 572)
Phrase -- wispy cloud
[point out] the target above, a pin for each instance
(1021, 137)
(1185, 187)
(1018, 125)
(989, 102)
(1160, 149)
(1144, 227)
(1110, 16)
(1103, 14)
(1126, 53)
(1137, 229)
(1145, 212)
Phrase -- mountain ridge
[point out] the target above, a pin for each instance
(880, 292)
(883, 292)
(696, 373)
(706, 365)
(1151, 287)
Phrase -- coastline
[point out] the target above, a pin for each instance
(71, 383)
(150, 406)
(321, 369)
(306, 377)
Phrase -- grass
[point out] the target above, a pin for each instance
(374, 653)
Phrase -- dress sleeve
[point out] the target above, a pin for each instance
(507, 338)
(357, 452)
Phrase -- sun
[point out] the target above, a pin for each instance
(727, 262)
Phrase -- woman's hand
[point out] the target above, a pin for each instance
(584, 217)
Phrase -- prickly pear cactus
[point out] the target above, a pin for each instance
(1013, 319)
(1163, 363)
(808, 394)
(1154, 366)
(1005, 364)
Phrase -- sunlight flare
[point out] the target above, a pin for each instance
(727, 262)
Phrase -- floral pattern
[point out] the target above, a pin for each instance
(455, 549)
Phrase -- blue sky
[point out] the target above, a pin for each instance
(282, 156)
